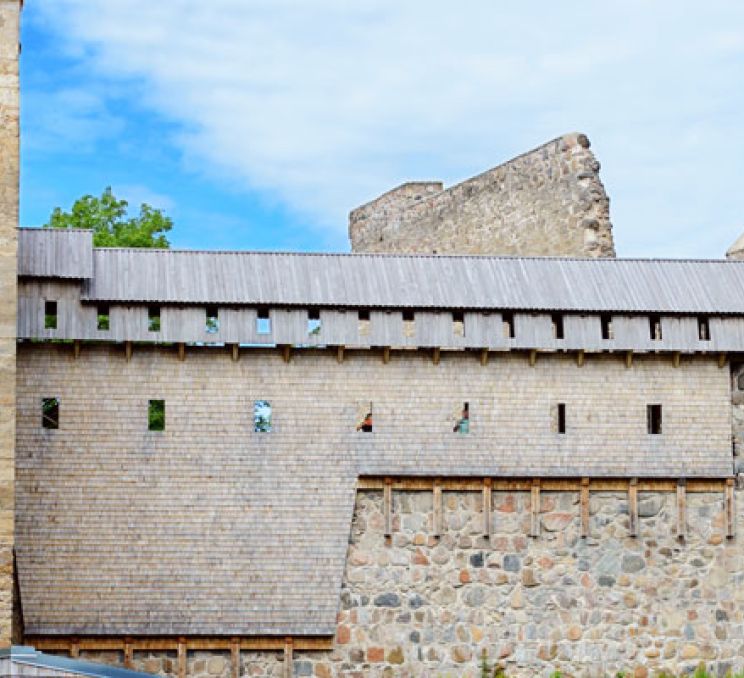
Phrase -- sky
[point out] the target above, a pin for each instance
(259, 124)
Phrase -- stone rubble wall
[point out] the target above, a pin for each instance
(547, 202)
(9, 168)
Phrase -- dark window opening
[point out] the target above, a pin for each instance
(263, 321)
(50, 315)
(606, 322)
(458, 324)
(50, 413)
(653, 419)
(703, 328)
(463, 423)
(313, 322)
(364, 323)
(654, 327)
(409, 324)
(156, 415)
(740, 382)
(557, 320)
(262, 416)
(104, 318)
(212, 323)
(365, 426)
(561, 418)
(153, 318)
(508, 320)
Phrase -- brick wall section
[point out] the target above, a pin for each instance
(547, 202)
(9, 110)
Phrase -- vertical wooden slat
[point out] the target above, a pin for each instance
(128, 350)
(288, 659)
(676, 359)
(76, 349)
(181, 351)
(584, 500)
(722, 357)
(535, 508)
(340, 354)
(484, 357)
(487, 506)
(730, 509)
(74, 648)
(387, 500)
(580, 358)
(533, 357)
(437, 495)
(286, 352)
(436, 355)
(629, 359)
(128, 654)
(386, 355)
(181, 658)
(235, 349)
(235, 657)
(633, 506)
(681, 509)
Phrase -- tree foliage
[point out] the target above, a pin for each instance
(112, 227)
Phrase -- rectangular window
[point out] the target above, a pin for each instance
(153, 318)
(557, 320)
(458, 324)
(104, 318)
(703, 328)
(561, 418)
(313, 322)
(606, 321)
(262, 416)
(156, 415)
(508, 320)
(50, 413)
(653, 419)
(463, 423)
(654, 327)
(364, 323)
(50, 315)
(212, 322)
(365, 425)
(263, 321)
(409, 324)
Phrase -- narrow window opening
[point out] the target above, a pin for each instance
(703, 328)
(153, 318)
(508, 321)
(212, 324)
(463, 423)
(50, 413)
(365, 425)
(104, 318)
(364, 323)
(653, 419)
(654, 327)
(409, 324)
(50, 315)
(313, 322)
(156, 415)
(458, 324)
(740, 382)
(606, 321)
(262, 416)
(557, 320)
(263, 321)
(561, 416)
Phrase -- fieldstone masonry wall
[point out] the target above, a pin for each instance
(9, 108)
(548, 202)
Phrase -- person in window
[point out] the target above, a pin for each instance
(366, 425)
(463, 424)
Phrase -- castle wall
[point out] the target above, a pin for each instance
(547, 202)
(9, 169)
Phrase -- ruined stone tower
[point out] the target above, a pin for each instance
(547, 202)
(9, 146)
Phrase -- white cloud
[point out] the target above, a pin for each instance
(326, 104)
(136, 194)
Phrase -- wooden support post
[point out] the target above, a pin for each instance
(181, 661)
(76, 349)
(484, 357)
(286, 352)
(629, 359)
(722, 360)
(584, 500)
(437, 510)
(730, 509)
(128, 654)
(235, 349)
(436, 355)
(386, 355)
(340, 354)
(181, 351)
(580, 358)
(681, 509)
(533, 357)
(487, 506)
(288, 658)
(74, 648)
(387, 500)
(235, 657)
(633, 507)
(128, 350)
(535, 508)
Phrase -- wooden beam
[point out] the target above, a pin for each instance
(286, 352)
(437, 509)
(580, 358)
(74, 648)
(730, 509)
(288, 658)
(484, 357)
(128, 350)
(722, 357)
(436, 355)
(386, 355)
(235, 350)
(76, 349)
(235, 658)
(128, 654)
(533, 357)
(340, 354)
(487, 506)
(676, 359)
(181, 660)
(535, 508)
(628, 359)
(633, 507)
(387, 501)
(681, 509)
(584, 502)
(181, 351)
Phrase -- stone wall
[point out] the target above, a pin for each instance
(548, 202)
(9, 168)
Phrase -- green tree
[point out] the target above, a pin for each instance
(107, 218)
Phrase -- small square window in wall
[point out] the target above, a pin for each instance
(262, 416)
(103, 321)
(153, 318)
(50, 315)
(703, 328)
(365, 425)
(212, 320)
(364, 323)
(654, 327)
(653, 419)
(50, 413)
(458, 324)
(156, 415)
(313, 323)
(263, 321)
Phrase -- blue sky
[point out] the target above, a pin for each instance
(258, 124)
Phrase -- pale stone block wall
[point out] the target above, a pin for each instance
(9, 168)
(547, 202)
